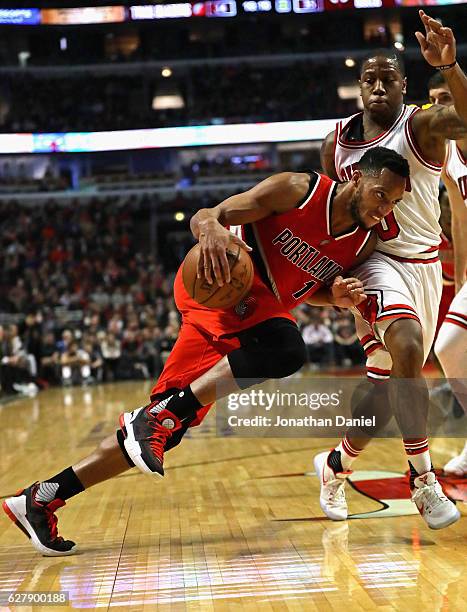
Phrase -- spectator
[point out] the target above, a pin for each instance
(50, 359)
(167, 341)
(15, 375)
(96, 361)
(111, 349)
(132, 362)
(319, 341)
(150, 350)
(347, 346)
(75, 365)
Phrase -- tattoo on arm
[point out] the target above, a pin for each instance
(446, 122)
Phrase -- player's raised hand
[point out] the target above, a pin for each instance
(438, 45)
(347, 292)
(213, 264)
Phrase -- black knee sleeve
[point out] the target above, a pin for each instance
(273, 349)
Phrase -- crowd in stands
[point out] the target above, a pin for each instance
(330, 337)
(210, 94)
(231, 93)
(81, 301)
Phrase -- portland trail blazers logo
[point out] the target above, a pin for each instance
(246, 307)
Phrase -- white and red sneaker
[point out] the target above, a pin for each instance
(457, 466)
(435, 508)
(332, 495)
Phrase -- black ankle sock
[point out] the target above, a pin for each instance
(334, 461)
(64, 485)
(183, 403)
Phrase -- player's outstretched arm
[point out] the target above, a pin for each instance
(276, 194)
(438, 123)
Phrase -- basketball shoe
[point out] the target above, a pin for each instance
(146, 432)
(457, 466)
(332, 495)
(38, 521)
(435, 508)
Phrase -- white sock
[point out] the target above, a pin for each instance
(418, 454)
(348, 453)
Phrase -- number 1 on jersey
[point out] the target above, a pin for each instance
(301, 292)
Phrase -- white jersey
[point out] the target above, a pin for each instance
(411, 231)
(456, 168)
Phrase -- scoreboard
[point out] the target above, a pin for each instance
(193, 10)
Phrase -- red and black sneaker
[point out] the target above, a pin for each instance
(38, 521)
(146, 432)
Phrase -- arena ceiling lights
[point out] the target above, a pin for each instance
(160, 138)
(185, 10)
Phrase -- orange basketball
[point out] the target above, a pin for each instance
(213, 296)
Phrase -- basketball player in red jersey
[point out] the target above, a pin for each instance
(403, 277)
(451, 343)
(306, 230)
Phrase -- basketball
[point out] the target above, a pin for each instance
(213, 296)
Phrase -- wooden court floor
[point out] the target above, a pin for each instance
(234, 525)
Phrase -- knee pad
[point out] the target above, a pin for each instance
(273, 349)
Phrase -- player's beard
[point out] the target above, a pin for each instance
(355, 204)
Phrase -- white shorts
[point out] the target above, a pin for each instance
(457, 313)
(396, 290)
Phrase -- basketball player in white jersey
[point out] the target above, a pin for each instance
(403, 277)
(451, 344)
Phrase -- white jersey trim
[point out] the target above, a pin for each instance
(364, 144)
(312, 192)
(364, 243)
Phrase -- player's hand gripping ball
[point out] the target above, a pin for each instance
(212, 295)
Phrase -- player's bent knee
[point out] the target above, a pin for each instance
(410, 357)
(276, 351)
(404, 341)
(288, 361)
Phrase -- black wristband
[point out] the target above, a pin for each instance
(446, 66)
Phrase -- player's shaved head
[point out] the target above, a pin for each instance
(391, 56)
(376, 159)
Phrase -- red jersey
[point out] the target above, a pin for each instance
(295, 250)
(294, 255)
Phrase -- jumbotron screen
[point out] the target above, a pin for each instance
(185, 10)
